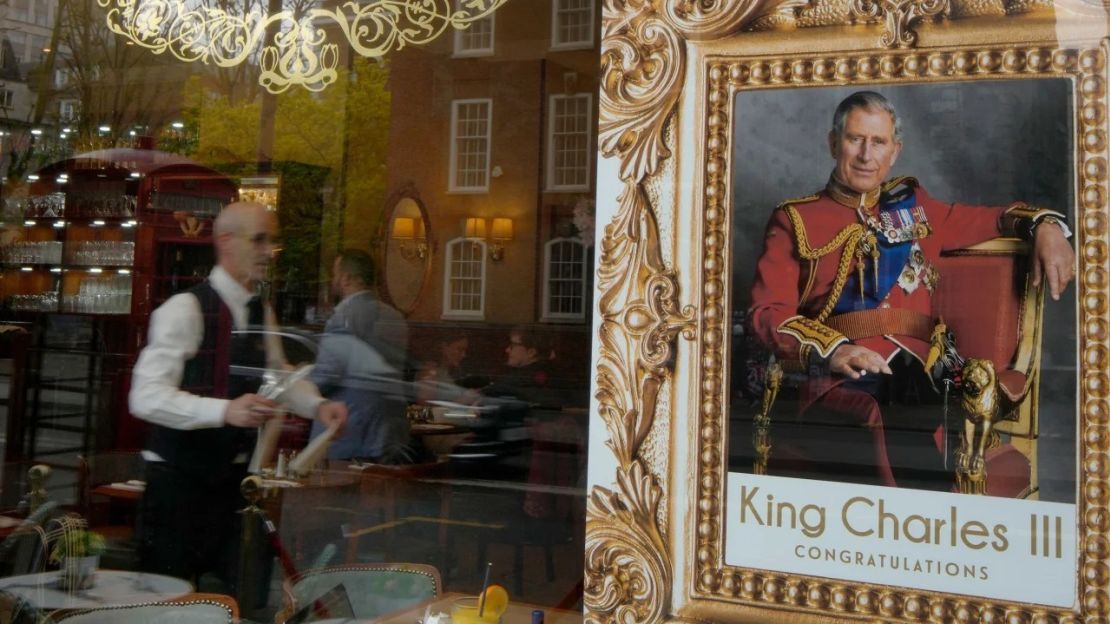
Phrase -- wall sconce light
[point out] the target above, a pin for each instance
(410, 234)
(501, 233)
(475, 227)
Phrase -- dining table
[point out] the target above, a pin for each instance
(44, 590)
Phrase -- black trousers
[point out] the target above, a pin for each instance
(188, 524)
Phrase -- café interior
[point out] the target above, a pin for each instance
(450, 147)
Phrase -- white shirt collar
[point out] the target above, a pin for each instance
(232, 293)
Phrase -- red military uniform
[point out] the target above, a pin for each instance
(818, 251)
(790, 288)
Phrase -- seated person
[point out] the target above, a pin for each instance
(443, 379)
(844, 289)
(447, 368)
(528, 379)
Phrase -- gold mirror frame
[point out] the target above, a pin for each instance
(410, 193)
(670, 69)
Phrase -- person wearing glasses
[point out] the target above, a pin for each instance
(203, 418)
(528, 377)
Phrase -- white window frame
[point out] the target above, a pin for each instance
(460, 37)
(550, 151)
(569, 45)
(449, 312)
(7, 98)
(74, 111)
(453, 183)
(548, 314)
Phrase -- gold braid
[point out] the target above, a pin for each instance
(848, 237)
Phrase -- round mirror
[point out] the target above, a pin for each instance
(406, 257)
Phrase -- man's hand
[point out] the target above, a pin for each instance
(855, 361)
(1055, 259)
(330, 412)
(249, 410)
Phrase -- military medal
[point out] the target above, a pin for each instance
(900, 225)
(917, 272)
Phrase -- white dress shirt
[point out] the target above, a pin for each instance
(176, 332)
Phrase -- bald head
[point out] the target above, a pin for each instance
(245, 234)
(234, 217)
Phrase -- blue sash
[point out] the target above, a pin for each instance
(892, 259)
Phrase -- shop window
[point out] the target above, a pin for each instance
(465, 279)
(572, 23)
(470, 143)
(564, 290)
(568, 143)
(475, 40)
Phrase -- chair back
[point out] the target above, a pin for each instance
(987, 299)
(104, 468)
(373, 589)
(189, 609)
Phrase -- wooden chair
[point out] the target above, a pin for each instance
(987, 298)
(111, 517)
(194, 608)
(374, 590)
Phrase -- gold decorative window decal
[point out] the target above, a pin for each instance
(291, 48)
(672, 73)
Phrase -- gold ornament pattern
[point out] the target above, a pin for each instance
(1087, 66)
(300, 51)
(900, 16)
(641, 64)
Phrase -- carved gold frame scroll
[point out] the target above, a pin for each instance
(670, 69)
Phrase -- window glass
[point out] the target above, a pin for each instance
(214, 265)
(466, 261)
(569, 158)
(573, 24)
(475, 40)
(470, 142)
(566, 279)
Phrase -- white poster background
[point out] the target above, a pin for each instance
(1005, 549)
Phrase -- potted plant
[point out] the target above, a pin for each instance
(78, 552)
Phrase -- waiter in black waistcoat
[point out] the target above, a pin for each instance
(204, 419)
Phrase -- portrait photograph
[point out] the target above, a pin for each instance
(973, 389)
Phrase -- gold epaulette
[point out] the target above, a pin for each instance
(898, 181)
(799, 200)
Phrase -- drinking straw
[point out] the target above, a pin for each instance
(485, 585)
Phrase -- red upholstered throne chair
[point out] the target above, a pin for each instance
(987, 299)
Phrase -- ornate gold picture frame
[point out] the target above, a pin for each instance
(658, 461)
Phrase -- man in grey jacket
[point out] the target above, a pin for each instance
(361, 363)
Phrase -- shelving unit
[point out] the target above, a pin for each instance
(99, 241)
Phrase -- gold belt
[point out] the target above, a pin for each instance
(883, 322)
